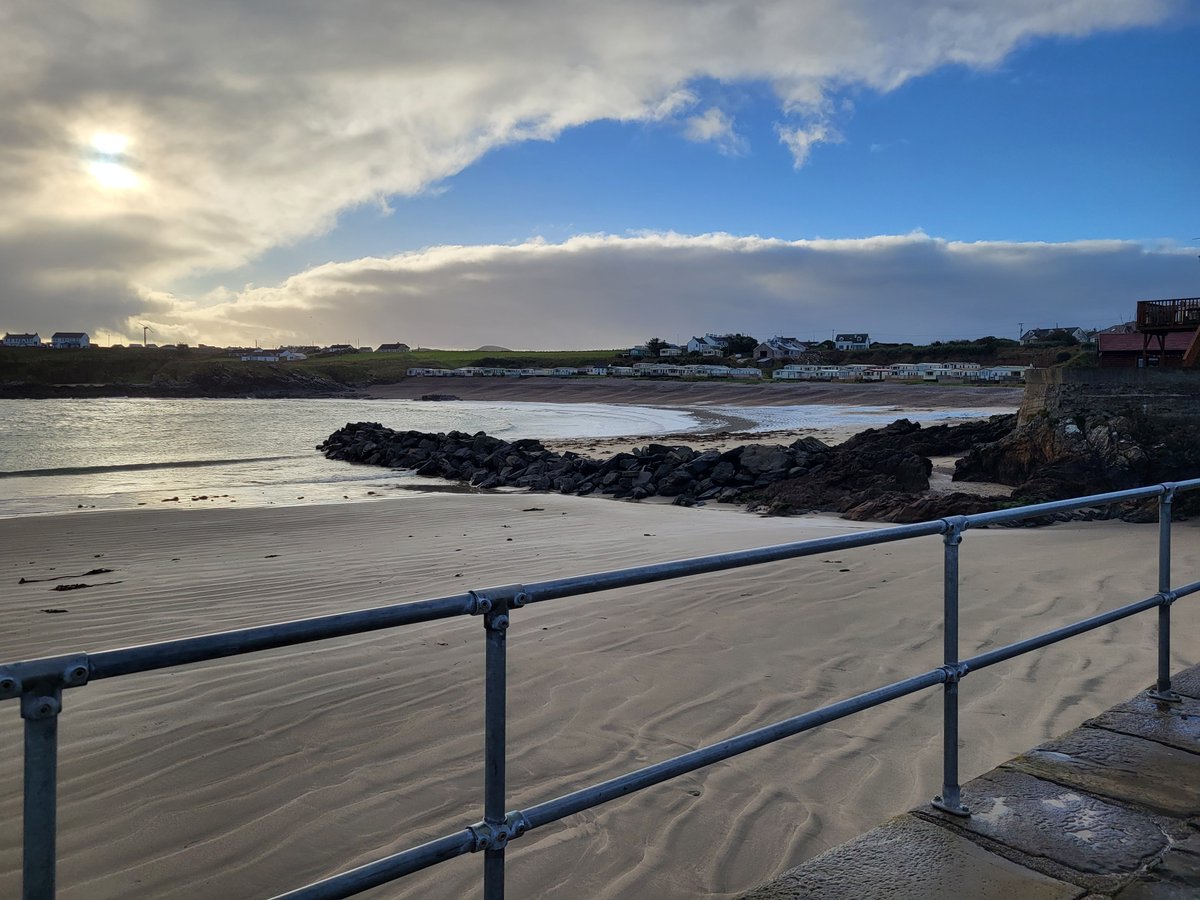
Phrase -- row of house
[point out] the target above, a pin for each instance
(647, 370)
(60, 340)
(956, 371)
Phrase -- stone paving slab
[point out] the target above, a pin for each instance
(911, 859)
(1187, 682)
(1041, 819)
(1120, 766)
(1176, 877)
(1109, 811)
(1174, 724)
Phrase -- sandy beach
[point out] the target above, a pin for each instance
(249, 776)
(672, 392)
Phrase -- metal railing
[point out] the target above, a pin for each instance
(39, 685)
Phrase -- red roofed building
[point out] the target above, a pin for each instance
(1124, 351)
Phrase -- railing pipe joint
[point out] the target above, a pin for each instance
(495, 836)
(955, 526)
(955, 672)
(508, 596)
(53, 673)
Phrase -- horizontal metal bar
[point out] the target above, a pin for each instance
(355, 881)
(1186, 589)
(577, 801)
(143, 658)
(1000, 654)
(619, 578)
(1040, 509)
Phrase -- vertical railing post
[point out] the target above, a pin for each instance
(1162, 689)
(950, 799)
(495, 622)
(40, 708)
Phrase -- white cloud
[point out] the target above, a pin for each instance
(246, 126)
(609, 291)
(800, 139)
(716, 127)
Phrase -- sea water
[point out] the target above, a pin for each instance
(71, 455)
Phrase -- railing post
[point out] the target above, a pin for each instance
(950, 799)
(495, 622)
(40, 707)
(1162, 690)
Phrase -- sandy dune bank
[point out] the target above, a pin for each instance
(248, 776)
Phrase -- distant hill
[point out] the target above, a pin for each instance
(491, 348)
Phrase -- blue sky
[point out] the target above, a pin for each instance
(262, 190)
(1067, 139)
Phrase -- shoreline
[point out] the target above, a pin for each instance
(651, 392)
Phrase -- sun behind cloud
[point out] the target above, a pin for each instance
(108, 163)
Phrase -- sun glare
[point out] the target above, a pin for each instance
(112, 174)
(107, 162)
(109, 144)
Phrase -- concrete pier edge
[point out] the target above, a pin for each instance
(1108, 810)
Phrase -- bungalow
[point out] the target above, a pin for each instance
(709, 345)
(69, 340)
(671, 350)
(640, 350)
(796, 373)
(703, 371)
(658, 370)
(339, 348)
(996, 373)
(745, 372)
(833, 373)
(12, 339)
(595, 370)
(260, 356)
(780, 348)
(876, 373)
(392, 348)
(622, 371)
(564, 371)
(291, 355)
(852, 341)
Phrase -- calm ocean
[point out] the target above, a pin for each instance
(59, 456)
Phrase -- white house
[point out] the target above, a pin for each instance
(709, 345)
(875, 373)
(260, 356)
(564, 371)
(291, 355)
(69, 340)
(852, 341)
(594, 370)
(21, 340)
(671, 350)
(745, 372)
(622, 371)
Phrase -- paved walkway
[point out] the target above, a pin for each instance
(1109, 810)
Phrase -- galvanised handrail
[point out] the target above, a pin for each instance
(39, 684)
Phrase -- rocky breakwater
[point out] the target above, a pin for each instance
(864, 478)
(1055, 457)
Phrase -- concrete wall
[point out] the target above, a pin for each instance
(1111, 392)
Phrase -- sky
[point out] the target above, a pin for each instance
(568, 175)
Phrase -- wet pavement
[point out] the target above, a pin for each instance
(1109, 810)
